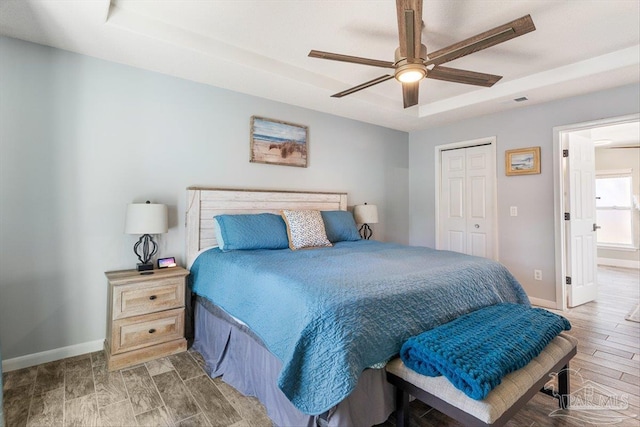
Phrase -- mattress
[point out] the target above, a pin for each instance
(327, 314)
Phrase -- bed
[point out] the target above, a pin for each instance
(308, 332)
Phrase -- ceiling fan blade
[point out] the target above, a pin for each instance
(352, 59)
(463, 76)
(410, 94)
(362, 86)
(409, 34)
(482, 41)
(411, 45)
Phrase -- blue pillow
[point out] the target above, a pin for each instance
(340, 226)
(251, 231)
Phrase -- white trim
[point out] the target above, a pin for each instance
(621, 248)
(489, 140)
(51, 355)
(624, 263)
(619, 173)
(558, 209)
(539, 302)
(558, 190)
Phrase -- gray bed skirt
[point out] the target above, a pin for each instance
(239, 357)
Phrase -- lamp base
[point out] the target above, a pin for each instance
(149, 249)
(365, 231)
(145, 268)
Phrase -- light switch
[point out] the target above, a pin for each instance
(514, 211)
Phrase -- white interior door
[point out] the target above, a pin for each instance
(480, 194)
(466, 217)
(581, 245)
(453, 224)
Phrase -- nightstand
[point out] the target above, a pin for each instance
(145, 318)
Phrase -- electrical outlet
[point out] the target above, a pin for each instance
(537, 274)
(514, 210)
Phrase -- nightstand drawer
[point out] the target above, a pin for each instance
(150, 329)
(141, 298)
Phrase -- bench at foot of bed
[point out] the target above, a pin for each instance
(501, 403)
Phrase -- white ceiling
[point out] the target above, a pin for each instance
(260, 48)
(618, 135)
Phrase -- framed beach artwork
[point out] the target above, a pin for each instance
(278, 143)
(523, 161)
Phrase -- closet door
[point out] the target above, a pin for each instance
(467, 201)
(453, 224)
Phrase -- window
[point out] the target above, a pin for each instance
(614, 208)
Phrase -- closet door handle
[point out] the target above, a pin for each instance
(477, 226)
(151, 330)
(152, 297)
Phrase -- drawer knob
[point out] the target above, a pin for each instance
(151, 330)
(152, 297)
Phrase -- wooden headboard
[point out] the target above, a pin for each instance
(204, 203)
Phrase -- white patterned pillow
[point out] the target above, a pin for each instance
(305, 229)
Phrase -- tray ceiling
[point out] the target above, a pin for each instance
(260, 48)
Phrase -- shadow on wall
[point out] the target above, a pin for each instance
(41, 220)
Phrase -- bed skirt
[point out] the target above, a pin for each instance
(239, 357)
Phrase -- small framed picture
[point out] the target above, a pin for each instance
(166, 262)
(523, 161)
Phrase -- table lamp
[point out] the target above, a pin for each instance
(146, 219)
(365, 215)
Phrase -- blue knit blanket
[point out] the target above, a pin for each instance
(476, 350)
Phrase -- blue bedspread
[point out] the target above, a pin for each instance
(329, 313)
(476, 350)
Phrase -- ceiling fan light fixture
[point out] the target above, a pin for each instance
(412, 64)
(411, 74)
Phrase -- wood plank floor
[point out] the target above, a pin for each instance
(175, 391)
(171, 391)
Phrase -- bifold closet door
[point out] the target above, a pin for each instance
(466, 215)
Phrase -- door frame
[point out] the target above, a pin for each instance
(491, 142)
(559, 181)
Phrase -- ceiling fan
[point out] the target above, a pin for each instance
(413, 63)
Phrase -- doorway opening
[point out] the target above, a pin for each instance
(575, 204)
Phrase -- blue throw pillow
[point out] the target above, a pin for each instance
(251, 231)
(340, 226)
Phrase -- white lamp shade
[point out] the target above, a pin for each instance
(146, 218)
(365, 214)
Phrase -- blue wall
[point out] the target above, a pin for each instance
(80, 138)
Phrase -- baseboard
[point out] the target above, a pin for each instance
(50, 355)
(539, 302)
(624, 263)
